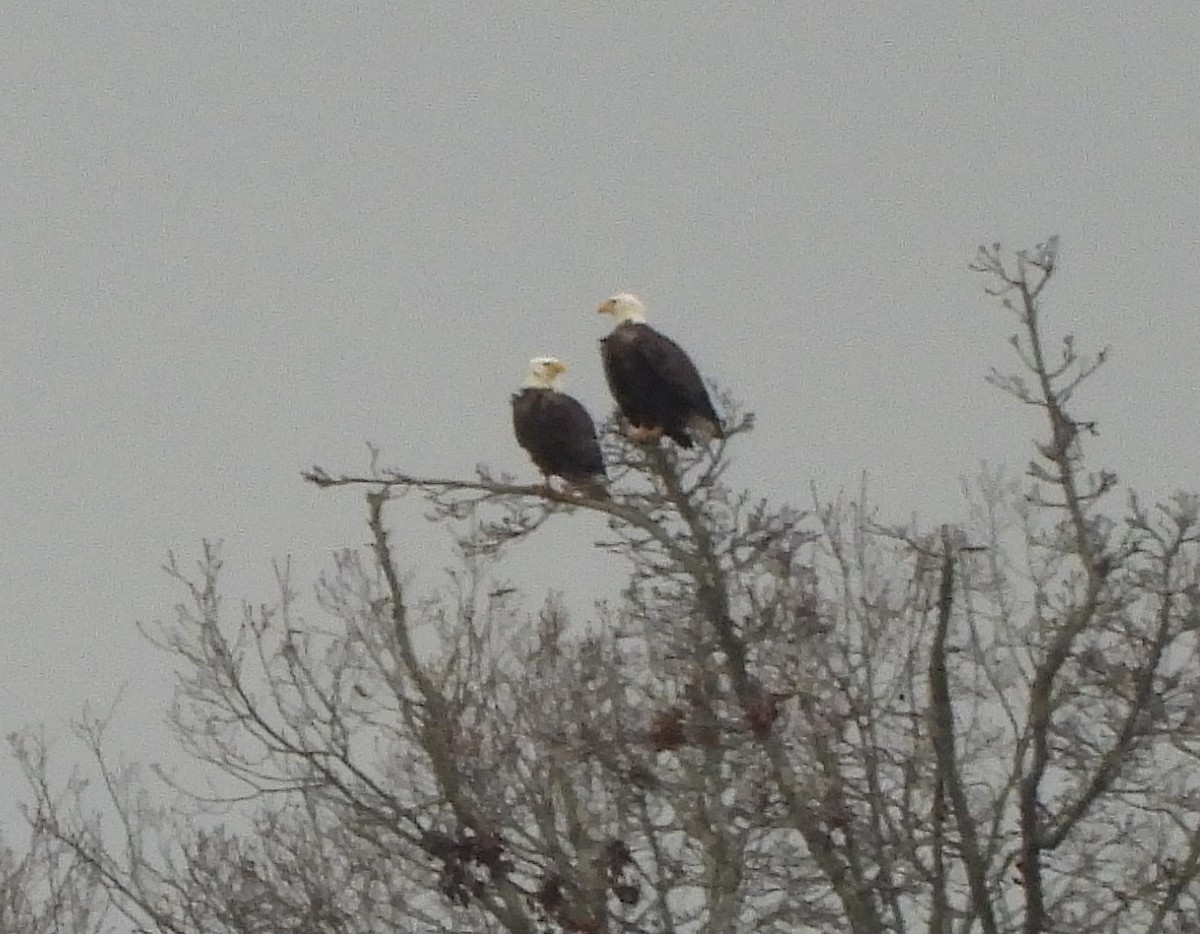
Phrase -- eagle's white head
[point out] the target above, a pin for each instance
(624, 306)
(544, 372)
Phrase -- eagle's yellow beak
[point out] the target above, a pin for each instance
(606, 307)
(556, 367)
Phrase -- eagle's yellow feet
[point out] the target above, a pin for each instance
(644, 435)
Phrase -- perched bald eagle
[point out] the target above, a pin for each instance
(655, 383)
(556, 429)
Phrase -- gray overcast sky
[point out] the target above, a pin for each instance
(243, 239)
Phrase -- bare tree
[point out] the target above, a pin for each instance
(790, 720)
(44, 887)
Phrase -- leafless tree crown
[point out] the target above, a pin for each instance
(790, 719)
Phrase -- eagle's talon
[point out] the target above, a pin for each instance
(643, 435)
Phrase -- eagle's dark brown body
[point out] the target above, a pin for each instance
(559, 435)
(656, 385)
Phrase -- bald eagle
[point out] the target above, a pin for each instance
(655, 383)
(556, 429)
